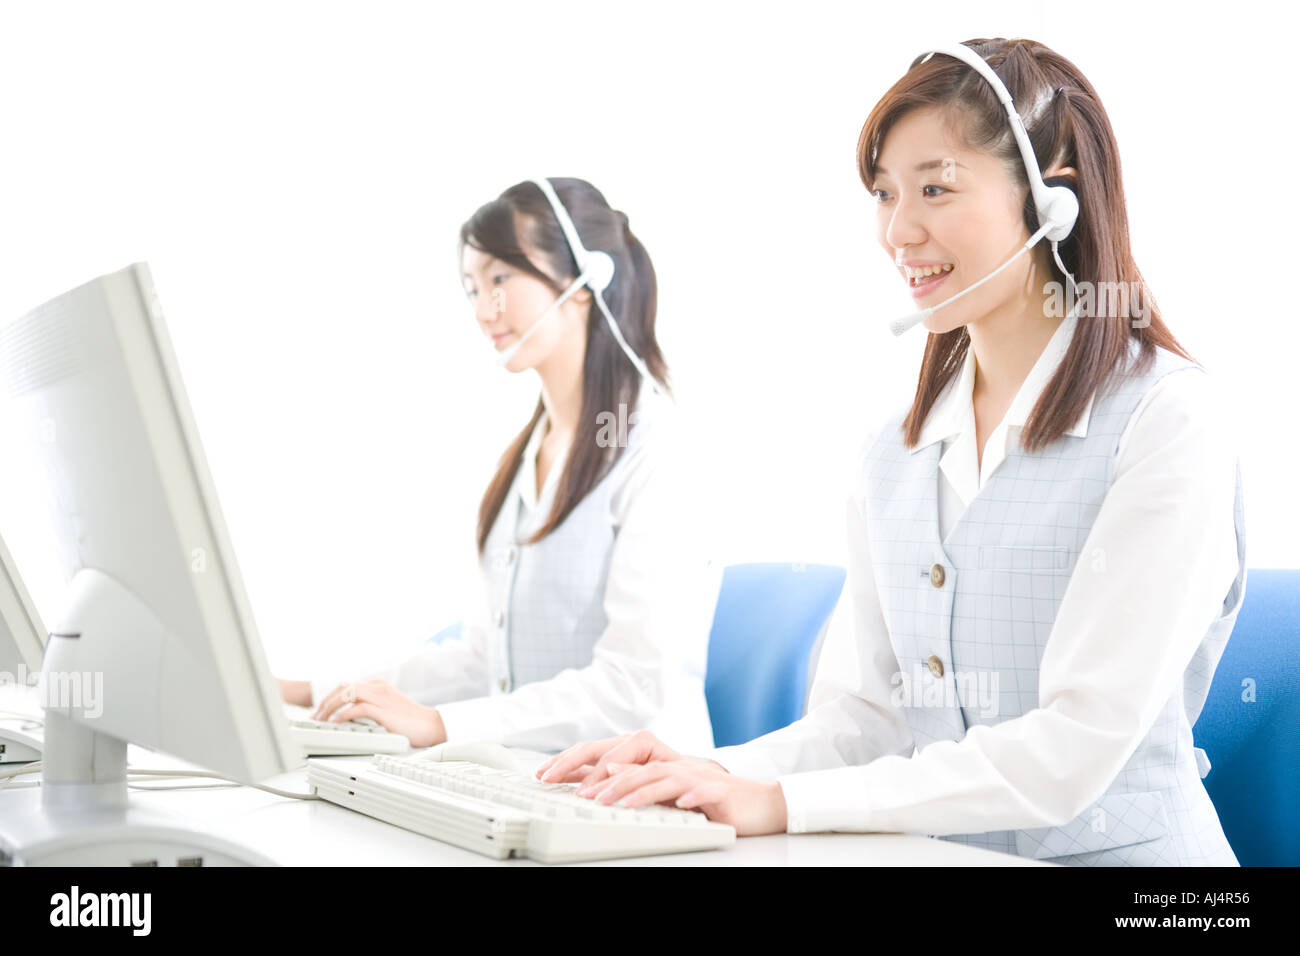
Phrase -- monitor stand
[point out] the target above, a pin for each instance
(85, 817)
(81, 814)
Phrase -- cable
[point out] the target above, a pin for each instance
(1069, 277)
(215, 776)
(197, 786)
(622, 343)
(596, 267)
(6, 776)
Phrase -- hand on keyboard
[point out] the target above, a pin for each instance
(503, 813)
(383, 703)
(752, 807)
(640, 769)
(586, 764)
(302, 717)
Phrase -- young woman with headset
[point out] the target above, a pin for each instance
(1046, 542)
(589, 622)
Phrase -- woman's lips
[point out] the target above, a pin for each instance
(926, 286)
(499, 340)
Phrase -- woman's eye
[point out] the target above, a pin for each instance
(498, 279)
(882, 196)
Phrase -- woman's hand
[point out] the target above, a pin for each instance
(588, 763)
(752, 807)
(388, 707)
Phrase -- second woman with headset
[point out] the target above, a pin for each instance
(594, 613)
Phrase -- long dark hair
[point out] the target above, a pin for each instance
(608, 378)
(1069, 128)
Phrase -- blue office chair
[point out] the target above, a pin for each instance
(1254, 746)
(450, 632)
(767, 619)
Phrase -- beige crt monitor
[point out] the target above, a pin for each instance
(155, 606)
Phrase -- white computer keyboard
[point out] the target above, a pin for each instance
(323, 738)
(505, 813)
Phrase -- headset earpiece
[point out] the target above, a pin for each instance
(1061, 210)
(599, 269)
(596, 266)
(596, 270)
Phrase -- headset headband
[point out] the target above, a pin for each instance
(1056, 205)
(597, 267)
(596, 270)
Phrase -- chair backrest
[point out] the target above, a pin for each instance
(448, 633)
(1250, 725)
(767, 619)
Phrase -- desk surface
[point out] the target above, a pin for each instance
(318, 833)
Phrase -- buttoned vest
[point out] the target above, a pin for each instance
(546, 599)
(981, 604)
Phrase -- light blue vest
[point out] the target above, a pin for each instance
(984, 600)
(546, 599)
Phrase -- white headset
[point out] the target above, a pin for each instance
(595, 271)
(1057, 207)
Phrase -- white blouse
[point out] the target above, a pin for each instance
(1118, 645)
(647, 667)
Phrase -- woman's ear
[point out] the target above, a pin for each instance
(1063, 172)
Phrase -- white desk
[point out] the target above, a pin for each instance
(317, 833)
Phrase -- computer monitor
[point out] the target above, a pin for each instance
(22, 642)
(155, 607)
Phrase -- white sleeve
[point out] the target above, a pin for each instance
(851, 717)
(452, 669)
(1125, 631)
(643, 656)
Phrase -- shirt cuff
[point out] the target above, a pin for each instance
(476, 719)
(746, 761)
(821, 800)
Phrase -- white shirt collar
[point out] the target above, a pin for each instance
(953, 411)
(952, 418)
(648, 404)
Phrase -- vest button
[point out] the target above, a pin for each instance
(502, 684)
(510, 555)
(936, 575)
(935, 665)
(500, 619)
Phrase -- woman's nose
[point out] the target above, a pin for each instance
(488, 309)
(905, 227)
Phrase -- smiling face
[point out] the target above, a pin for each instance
(508, 302)
(947, 216)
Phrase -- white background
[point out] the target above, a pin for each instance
(295, 175)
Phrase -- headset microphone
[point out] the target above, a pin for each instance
(1057, 207)
(899, 326)
(505, 355)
